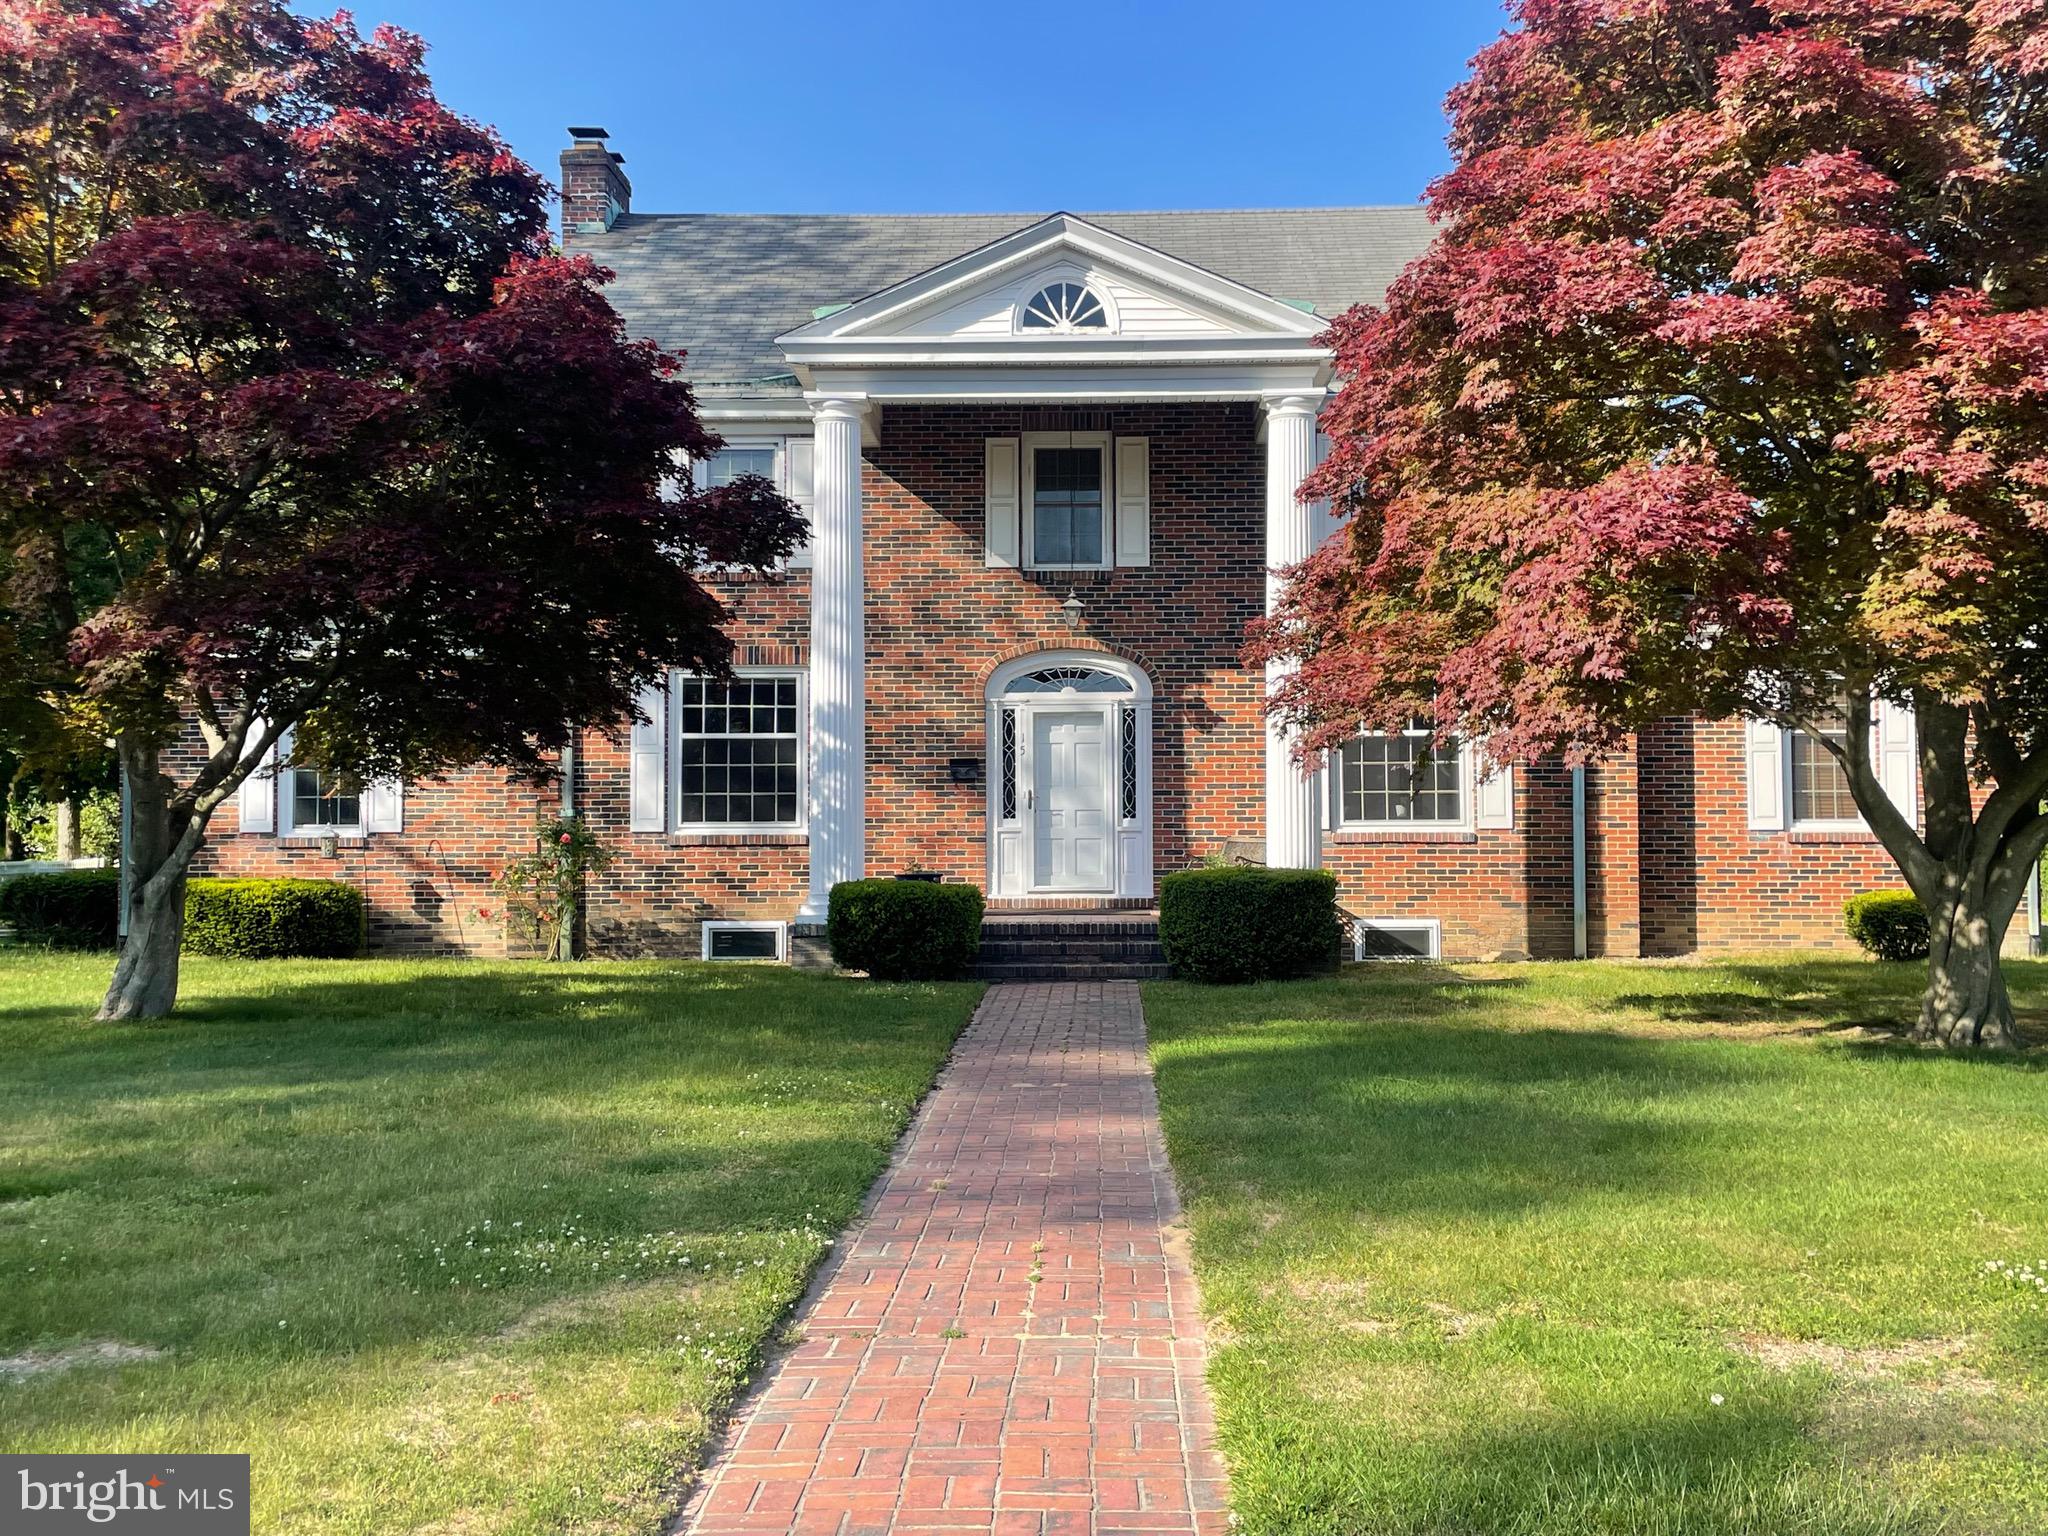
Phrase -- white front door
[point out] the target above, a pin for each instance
(1073, 832)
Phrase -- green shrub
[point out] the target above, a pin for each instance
(1892, 925)
(1249, 924)
(273, 919)
(67, 909)
(904, 930)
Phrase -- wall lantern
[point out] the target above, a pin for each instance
(1072, 609)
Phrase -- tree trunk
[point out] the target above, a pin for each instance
(64, 825)
(145, 983)
(1966, 1004)
(158, 854)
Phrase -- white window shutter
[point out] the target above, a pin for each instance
(1003, 537)
(384, 806)
(1493, 798)
(1765, 753)
(256, 801)
(647, 763)
(1897, 754)
(798, 458)
(1133, 501)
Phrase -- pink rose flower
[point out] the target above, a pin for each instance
(565, 839)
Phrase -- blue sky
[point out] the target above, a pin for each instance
(772, 106)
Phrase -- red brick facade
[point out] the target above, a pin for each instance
(1671, 863)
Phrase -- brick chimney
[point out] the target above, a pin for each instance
(594, 190)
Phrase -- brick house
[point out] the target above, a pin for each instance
(1049, 462)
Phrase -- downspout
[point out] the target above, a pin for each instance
(568, 762)
(2034, 910)
(127, 828)
(1578, 863)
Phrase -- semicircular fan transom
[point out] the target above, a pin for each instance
(1064, 307)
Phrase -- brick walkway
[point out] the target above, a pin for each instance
(1007, 1344)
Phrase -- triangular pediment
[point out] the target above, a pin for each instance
(1103, 286)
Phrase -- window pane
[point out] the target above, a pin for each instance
(737, 754)
(317, 803)
(1066, 506)
(728, 464)
(1395, 780)
(1820, 785)
(743, 943)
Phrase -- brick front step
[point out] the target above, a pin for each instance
(1065, 946)
(1071, 970)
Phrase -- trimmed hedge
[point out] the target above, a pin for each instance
(273, 919)
(65, 908)
(904, 930)
(1892, 925)
(1248, 923)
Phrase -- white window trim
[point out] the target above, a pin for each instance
(1434, 927)
(289, 830)
(1468, 784)
(1788, 787)
(746, 925)
(803, 760)
(1027, 475)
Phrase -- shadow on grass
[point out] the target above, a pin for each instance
(1879, 1001)
(1432, 1112)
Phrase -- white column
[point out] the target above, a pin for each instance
(839, 741)
(1292, 837)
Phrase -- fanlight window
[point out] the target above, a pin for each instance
(1077, 679)
(1064, 307)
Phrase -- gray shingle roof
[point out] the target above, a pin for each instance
(723, 286)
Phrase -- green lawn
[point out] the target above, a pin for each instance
(1631, 1249)
(445, 1246)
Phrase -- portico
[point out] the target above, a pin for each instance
(1060, 317)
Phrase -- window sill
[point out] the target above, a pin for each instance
(696, 838)
(1830, 835)
(747, 576)
(1404, 835)
(347, 839)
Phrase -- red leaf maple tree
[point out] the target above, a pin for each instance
(1723, 388)
(304, 427)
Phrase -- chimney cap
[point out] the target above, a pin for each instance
(617, 158)
(589, 133)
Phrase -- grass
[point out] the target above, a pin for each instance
(1662, 1250)
(445, 1246)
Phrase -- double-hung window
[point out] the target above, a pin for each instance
(318, 802)
(1401, 779)
(1820, 784)
(785, 462)
(1067, 500)
(739, 753)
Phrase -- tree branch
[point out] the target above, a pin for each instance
(1885, 820)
